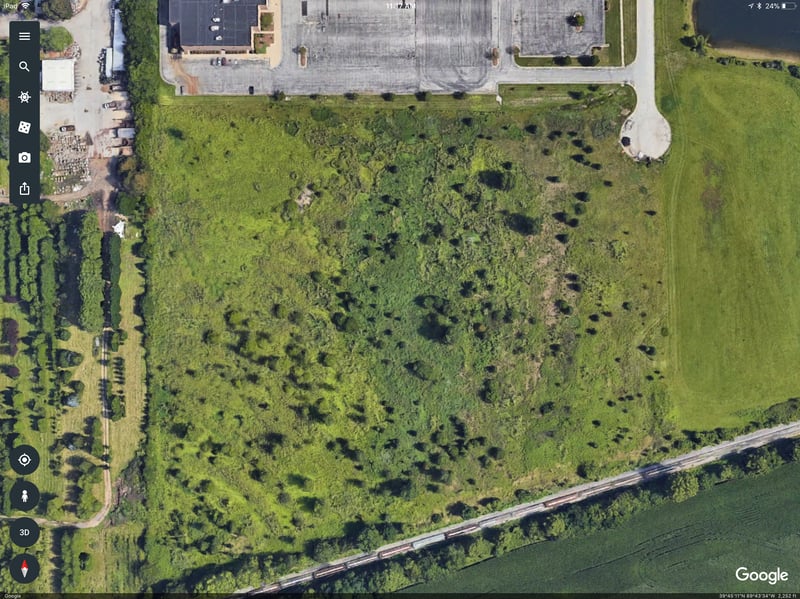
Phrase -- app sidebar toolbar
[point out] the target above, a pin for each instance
(24, 175)
(24, 74)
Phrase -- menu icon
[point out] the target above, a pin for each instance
(24, 115)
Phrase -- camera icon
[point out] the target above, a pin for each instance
(24, 459)
(24, 157)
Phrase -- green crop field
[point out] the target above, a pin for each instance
(729, 188)
(689, 547)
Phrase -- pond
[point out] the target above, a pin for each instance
(733, 23)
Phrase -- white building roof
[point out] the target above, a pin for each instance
(108, 61)
(58, 75)
(118, 63)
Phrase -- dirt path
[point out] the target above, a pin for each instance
(106, 421)
(189, 82)
(101, 189)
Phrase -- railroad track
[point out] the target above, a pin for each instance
(575, 494)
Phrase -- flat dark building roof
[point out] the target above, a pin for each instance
(194, 19)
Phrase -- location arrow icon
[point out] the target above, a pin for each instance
(24, 568)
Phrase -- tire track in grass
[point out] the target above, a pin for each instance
(678, 154)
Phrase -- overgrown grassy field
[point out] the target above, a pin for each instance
(369, 317)
(728, 189)
(690, 547)
(454, 317)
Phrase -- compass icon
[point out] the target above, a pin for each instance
(24, 97)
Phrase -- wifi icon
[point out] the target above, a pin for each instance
(25, 5)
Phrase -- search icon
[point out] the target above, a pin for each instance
(23, 66)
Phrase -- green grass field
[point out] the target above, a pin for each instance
(728, 189)
(690, 547)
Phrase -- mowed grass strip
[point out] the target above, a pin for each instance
(612, 55)
(690, 547)
(126, 434)
(730, 191)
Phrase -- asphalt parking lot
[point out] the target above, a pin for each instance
(373, 46)
(541, 27)
(353, 34)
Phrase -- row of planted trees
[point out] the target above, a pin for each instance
(50, 275)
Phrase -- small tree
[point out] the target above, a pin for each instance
(796, 451)
(577, 20)
(699, 43)
(56, 39)
(683, 486)
(57, 10)
(555, 526)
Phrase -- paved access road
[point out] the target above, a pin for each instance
(544, 504)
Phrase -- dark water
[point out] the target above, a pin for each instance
(733, 22)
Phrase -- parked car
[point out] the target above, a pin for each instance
(218, 61)
(224, 61)
(218, 38)
(215, 19)
(251, 90)
(117, 87)
(66, 128)
(110, 105)
(214, 28)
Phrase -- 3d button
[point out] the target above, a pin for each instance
(24, 532)
(24, 568)
(24, 459)
(24, 496)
